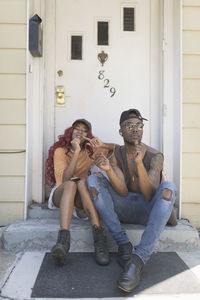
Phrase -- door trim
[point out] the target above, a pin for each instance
(170, 90)
(171, 93)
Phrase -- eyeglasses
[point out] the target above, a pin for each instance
(131, 126)
(81, 130)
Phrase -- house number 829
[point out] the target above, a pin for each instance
(106, 83)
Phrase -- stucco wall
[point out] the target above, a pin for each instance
(12, 108)
(191, 111)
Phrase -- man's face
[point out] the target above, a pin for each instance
(132, 130)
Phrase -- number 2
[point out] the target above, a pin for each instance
(107, 83)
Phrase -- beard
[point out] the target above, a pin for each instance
(129, 142)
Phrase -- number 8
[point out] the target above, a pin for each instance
(101, 75)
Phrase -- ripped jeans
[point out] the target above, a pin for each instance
(132, 209)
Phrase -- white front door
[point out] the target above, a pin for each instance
(127, 32)
(145, 75)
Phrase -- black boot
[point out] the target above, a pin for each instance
(61, 248)
(100, 245)
(130, 277)
(124, 254)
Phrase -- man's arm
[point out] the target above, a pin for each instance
(114, 173)
(98, 145)
(109, 146)
(156, 166)
(148, 182)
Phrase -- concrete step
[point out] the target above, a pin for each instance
(41, 211)
(41, 234)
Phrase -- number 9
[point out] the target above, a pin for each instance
(113, 91)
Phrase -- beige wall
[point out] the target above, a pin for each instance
(12, 108)
(191, 111)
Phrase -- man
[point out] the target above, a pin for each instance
(134, 194)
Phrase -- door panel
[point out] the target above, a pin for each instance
(100, 93)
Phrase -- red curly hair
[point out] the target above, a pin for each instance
(64, 140)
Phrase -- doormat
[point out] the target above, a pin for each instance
(81, 277)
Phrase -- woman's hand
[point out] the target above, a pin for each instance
(76, 145)
(94, 142)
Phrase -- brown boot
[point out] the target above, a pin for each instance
(131, 276)
(100, 245)
(61, 248)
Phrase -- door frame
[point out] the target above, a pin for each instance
(43, 135)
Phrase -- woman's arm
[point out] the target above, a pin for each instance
(70, 168)
(64, 166)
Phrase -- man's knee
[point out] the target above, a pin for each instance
(92, 183)
(94, 193)
(167, 194)
(92, 180)
(167, 190)
(96, 181)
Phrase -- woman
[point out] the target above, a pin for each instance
(67, 167)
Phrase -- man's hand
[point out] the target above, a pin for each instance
(139, 153)
(94, 143)
(76, 145)
(102, 162)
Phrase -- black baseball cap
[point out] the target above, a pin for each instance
(127, 115)
(87, 123)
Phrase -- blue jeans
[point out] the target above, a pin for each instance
(133, 209)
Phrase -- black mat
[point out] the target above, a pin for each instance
(81, 277)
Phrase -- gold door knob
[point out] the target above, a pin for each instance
(60, 94)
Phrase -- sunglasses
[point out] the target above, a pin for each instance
(131, 126)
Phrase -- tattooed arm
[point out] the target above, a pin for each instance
(148, 182)
(156, 167)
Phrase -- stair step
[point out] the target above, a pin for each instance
(41, 211)
(41, 234)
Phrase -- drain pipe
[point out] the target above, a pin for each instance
(181, 103)
(27, 111)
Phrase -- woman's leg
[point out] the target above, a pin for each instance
(87, 203)
(99, 235)
(63, 198)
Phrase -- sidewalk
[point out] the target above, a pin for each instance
(19, 271)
